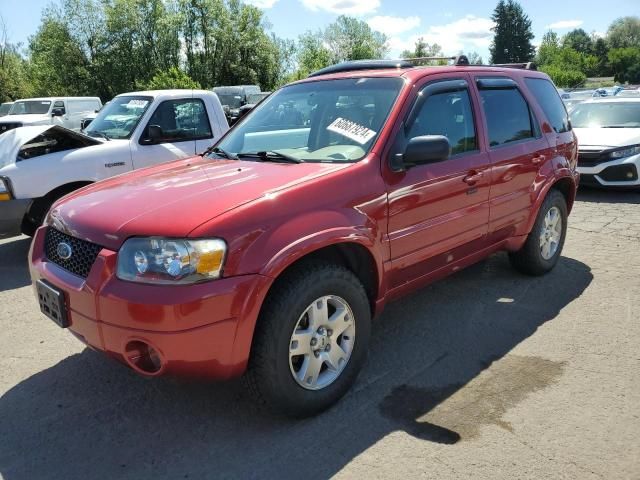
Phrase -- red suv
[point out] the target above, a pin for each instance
(270, 253)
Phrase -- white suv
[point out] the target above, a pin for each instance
(608, 132)
(63, 111)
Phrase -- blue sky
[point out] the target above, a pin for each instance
(455, 25)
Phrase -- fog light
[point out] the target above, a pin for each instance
(630, 175)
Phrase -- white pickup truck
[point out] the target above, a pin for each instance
(39, 164)
(64, 111)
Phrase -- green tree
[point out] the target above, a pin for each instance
(625, 63)
(58, 65)
(312, 53)
(424, 49)
(512, 39)
(579, 40)
(624, 32)
(601, 52)
(351, 39)
(171, 78)
(563, 77)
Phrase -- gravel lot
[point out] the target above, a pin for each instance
(488, 374)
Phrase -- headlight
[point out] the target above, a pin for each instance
(5, 193)
(171, 261)
(625, 152)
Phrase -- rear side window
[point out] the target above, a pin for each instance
(548, 98)
(447, 114)
(507, 114)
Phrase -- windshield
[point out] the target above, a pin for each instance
(230, 99)
(606, 115)
(323, 121)
(4, 108)
(30, 107)
(119, 118)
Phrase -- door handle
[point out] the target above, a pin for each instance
(473, 177)
(538, 159)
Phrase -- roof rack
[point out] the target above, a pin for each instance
(355, 65)
(523, 66)
(362, 65)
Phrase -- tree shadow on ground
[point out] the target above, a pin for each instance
(87, 417)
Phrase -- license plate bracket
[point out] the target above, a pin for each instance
(52, 303)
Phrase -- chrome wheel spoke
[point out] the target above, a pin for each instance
(310, 371)
(301, 343)
(340, 321)
(336, 357)
(318, 313)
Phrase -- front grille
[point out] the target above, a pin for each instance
(83, 253)
(5, 126)
(591, 158)
(620, 173)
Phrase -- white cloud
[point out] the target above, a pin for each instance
(393, 25)
(562, 24)
(343, 7)
(467, 33)
(262, 3)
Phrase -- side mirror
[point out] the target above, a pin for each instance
(426, 149)
(57, 112)
(153, 136)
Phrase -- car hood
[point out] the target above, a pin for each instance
(12, 140)
(607, 137)
(31, 118)
(174, 198)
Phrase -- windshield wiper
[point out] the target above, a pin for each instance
(220, 152)
(272, 156)
(99, 134)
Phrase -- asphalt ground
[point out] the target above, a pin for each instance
(487, 374)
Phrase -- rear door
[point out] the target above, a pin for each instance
(516, 147)
(438, 212)
(183, 122)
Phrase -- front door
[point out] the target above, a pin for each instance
(172, 132)
(438, 212)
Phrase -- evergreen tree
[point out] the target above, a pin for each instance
(512, 40)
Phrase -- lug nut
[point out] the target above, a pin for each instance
(316, 353)
(327, 348)
(313, 342)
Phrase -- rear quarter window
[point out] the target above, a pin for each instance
(549, 99)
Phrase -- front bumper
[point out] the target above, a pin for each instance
(623, 172)
(201, 330)
(11, 214)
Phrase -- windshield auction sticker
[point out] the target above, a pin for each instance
(351, 130)
(137, 103)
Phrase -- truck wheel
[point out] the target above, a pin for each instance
(35, 215)
(311, 340)
(541, 251)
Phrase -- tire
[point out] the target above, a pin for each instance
(35, 215)
(533, 258)
(276, 376)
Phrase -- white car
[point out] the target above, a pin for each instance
(608, 132)
(64, 111)
(39, 164)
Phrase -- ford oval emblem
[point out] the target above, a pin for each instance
(64, 251)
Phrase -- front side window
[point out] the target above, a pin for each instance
(549, 100)
(119, 118)
(508, 116)
(606, 115)
(182, 119)
(318, 121)
(30, 107)
(447, 114)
